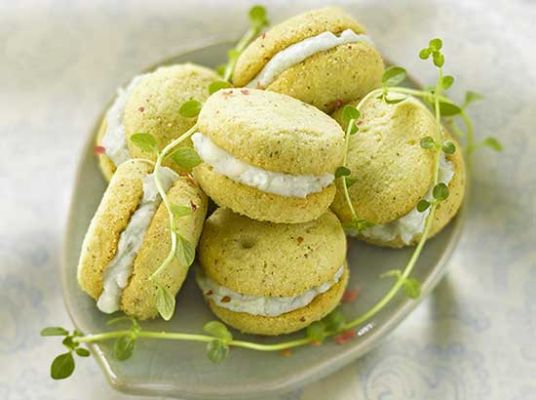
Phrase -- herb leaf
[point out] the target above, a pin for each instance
(342, 171)
(435, 44)
(144, 141)
(219, 330)
(82, 352)
(180, 211)
(438, 58)
(218, 85)
(423, 205)
(54, 331)
(316, 331)
(427, 142)
(185, 251)
(124, 347)
(493, 143)
(217, 351)
(356, 225)
(63, 366)
(186, 157)
(350, 113)
(448, 147)
(190, 109)
(424, 54)
(448, 109)
(334, 321)
(440, 191)
(447, 81)
(412, 288)
(471, 97)
(393, 76)
(258, 17)
(165, 302)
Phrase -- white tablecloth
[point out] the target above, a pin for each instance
(473, 338)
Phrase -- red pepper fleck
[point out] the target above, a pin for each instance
(225, 299)
(193, 206)
(244, 91)
(335, 104)
(141, 109)
(345, 337)
(99, 149)
(209, 293)
(350, 295)
(300, 240)
(286, 352)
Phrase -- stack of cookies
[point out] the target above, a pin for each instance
(272, 257)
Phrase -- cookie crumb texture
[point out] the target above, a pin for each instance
(289, 322)
(262, 206)
(272, 131)
(160, 95)
(393, 171)
(325, 79)
(268, 259)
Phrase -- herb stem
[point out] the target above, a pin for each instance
(429, 219)
(345, 161)
(163, 195)
(244, 41)
(470, 146)
(99, 337)
(270, 347)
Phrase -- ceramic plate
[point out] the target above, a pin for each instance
(182, 370)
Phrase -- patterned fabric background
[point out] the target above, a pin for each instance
(473, 338)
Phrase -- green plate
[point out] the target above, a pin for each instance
(181, 369)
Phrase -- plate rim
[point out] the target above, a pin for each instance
(275, 386)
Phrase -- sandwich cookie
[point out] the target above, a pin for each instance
(150, 103)
(322, 57)
(267, 156)
(270, 279)
(128, 239)
(394, 173)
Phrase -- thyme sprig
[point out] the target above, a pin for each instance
(218, 339)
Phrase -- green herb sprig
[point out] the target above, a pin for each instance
(187, 158)
(180, 248)
(217, 337)
(258, 19)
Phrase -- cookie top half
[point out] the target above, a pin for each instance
(267, 259)
(393, 171)
(153, 106)
(273, 131)
(291, 31)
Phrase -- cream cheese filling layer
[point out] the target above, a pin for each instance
(261, 305)
(267, 181)
(297, 52)
(412, 224)
(114, 140)
(118, 271)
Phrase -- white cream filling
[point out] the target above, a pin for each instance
(119, 269)
(412, 224)
(261, 305)
(296, 53)
(114, 140)
(266, 181)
